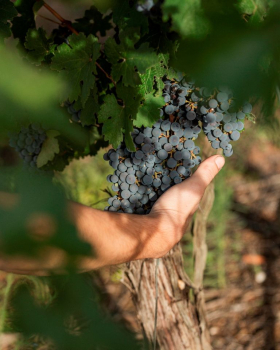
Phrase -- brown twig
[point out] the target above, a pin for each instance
(63, 21)
(68, 24)
(49, 19)
(107, 75)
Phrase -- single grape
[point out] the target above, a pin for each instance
(186, 154)
(177, 180)
(162, 154)
(215, 144)
(139, 139)
(213, 103)
(168, 147)
(189, 145)
(114, 156)
(181, 170)
(235, 135)
(178, 156)
(166, 180)
(191, 115)
(228, 127)
(169, 110)
(165, 125)
(240, 115)
(174, 140)
(210, 118)
(222, 96)
(130, 179)
(247, 108)
(147, 180)
(128, 162)
(240, 126)
(171, 163)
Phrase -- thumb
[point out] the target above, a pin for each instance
(205, 173)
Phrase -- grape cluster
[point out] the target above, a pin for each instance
(28, 143)
(164, 157)
(75, 115)
(221, 122)
(166, 153)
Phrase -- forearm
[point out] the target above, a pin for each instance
(114, 238)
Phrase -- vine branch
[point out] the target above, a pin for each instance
(63, 21)
(68, 24)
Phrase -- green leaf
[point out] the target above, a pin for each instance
(37, 6)
(256, 9)
(126, 16)
(155, 74)
(116, 121)
(26, 20)
(76, 62)
(7, 13)
(125, 58)
(7, 10)
(131, 98)
(90, 110)
(149, 113)
(49, 149)
(187, 17)
(93, 22)
(37, 44)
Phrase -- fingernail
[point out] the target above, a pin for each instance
(220, 161)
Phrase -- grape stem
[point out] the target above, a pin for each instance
(107, 75)
(68, 24)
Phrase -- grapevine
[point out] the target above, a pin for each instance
(145, 80)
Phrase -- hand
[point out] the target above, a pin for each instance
(175, 208)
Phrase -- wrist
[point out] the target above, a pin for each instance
(157, 238)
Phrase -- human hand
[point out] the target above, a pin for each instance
(175, 208)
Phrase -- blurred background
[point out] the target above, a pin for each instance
(242, 278)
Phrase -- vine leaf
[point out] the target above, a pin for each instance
(116, 121)
(76, 64)
(7, 12)
(49, 149)
(257, 9)
(125, 58)
(126, 16)
(37, 44)
(187, 17)
(26, 20)
(91, 108)
(93, 22)
(131, 98)
(148, 113)
(155, 74)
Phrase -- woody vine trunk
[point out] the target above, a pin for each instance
(181, 313)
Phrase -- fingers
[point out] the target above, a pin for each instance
(185, 197)
(204, 176)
